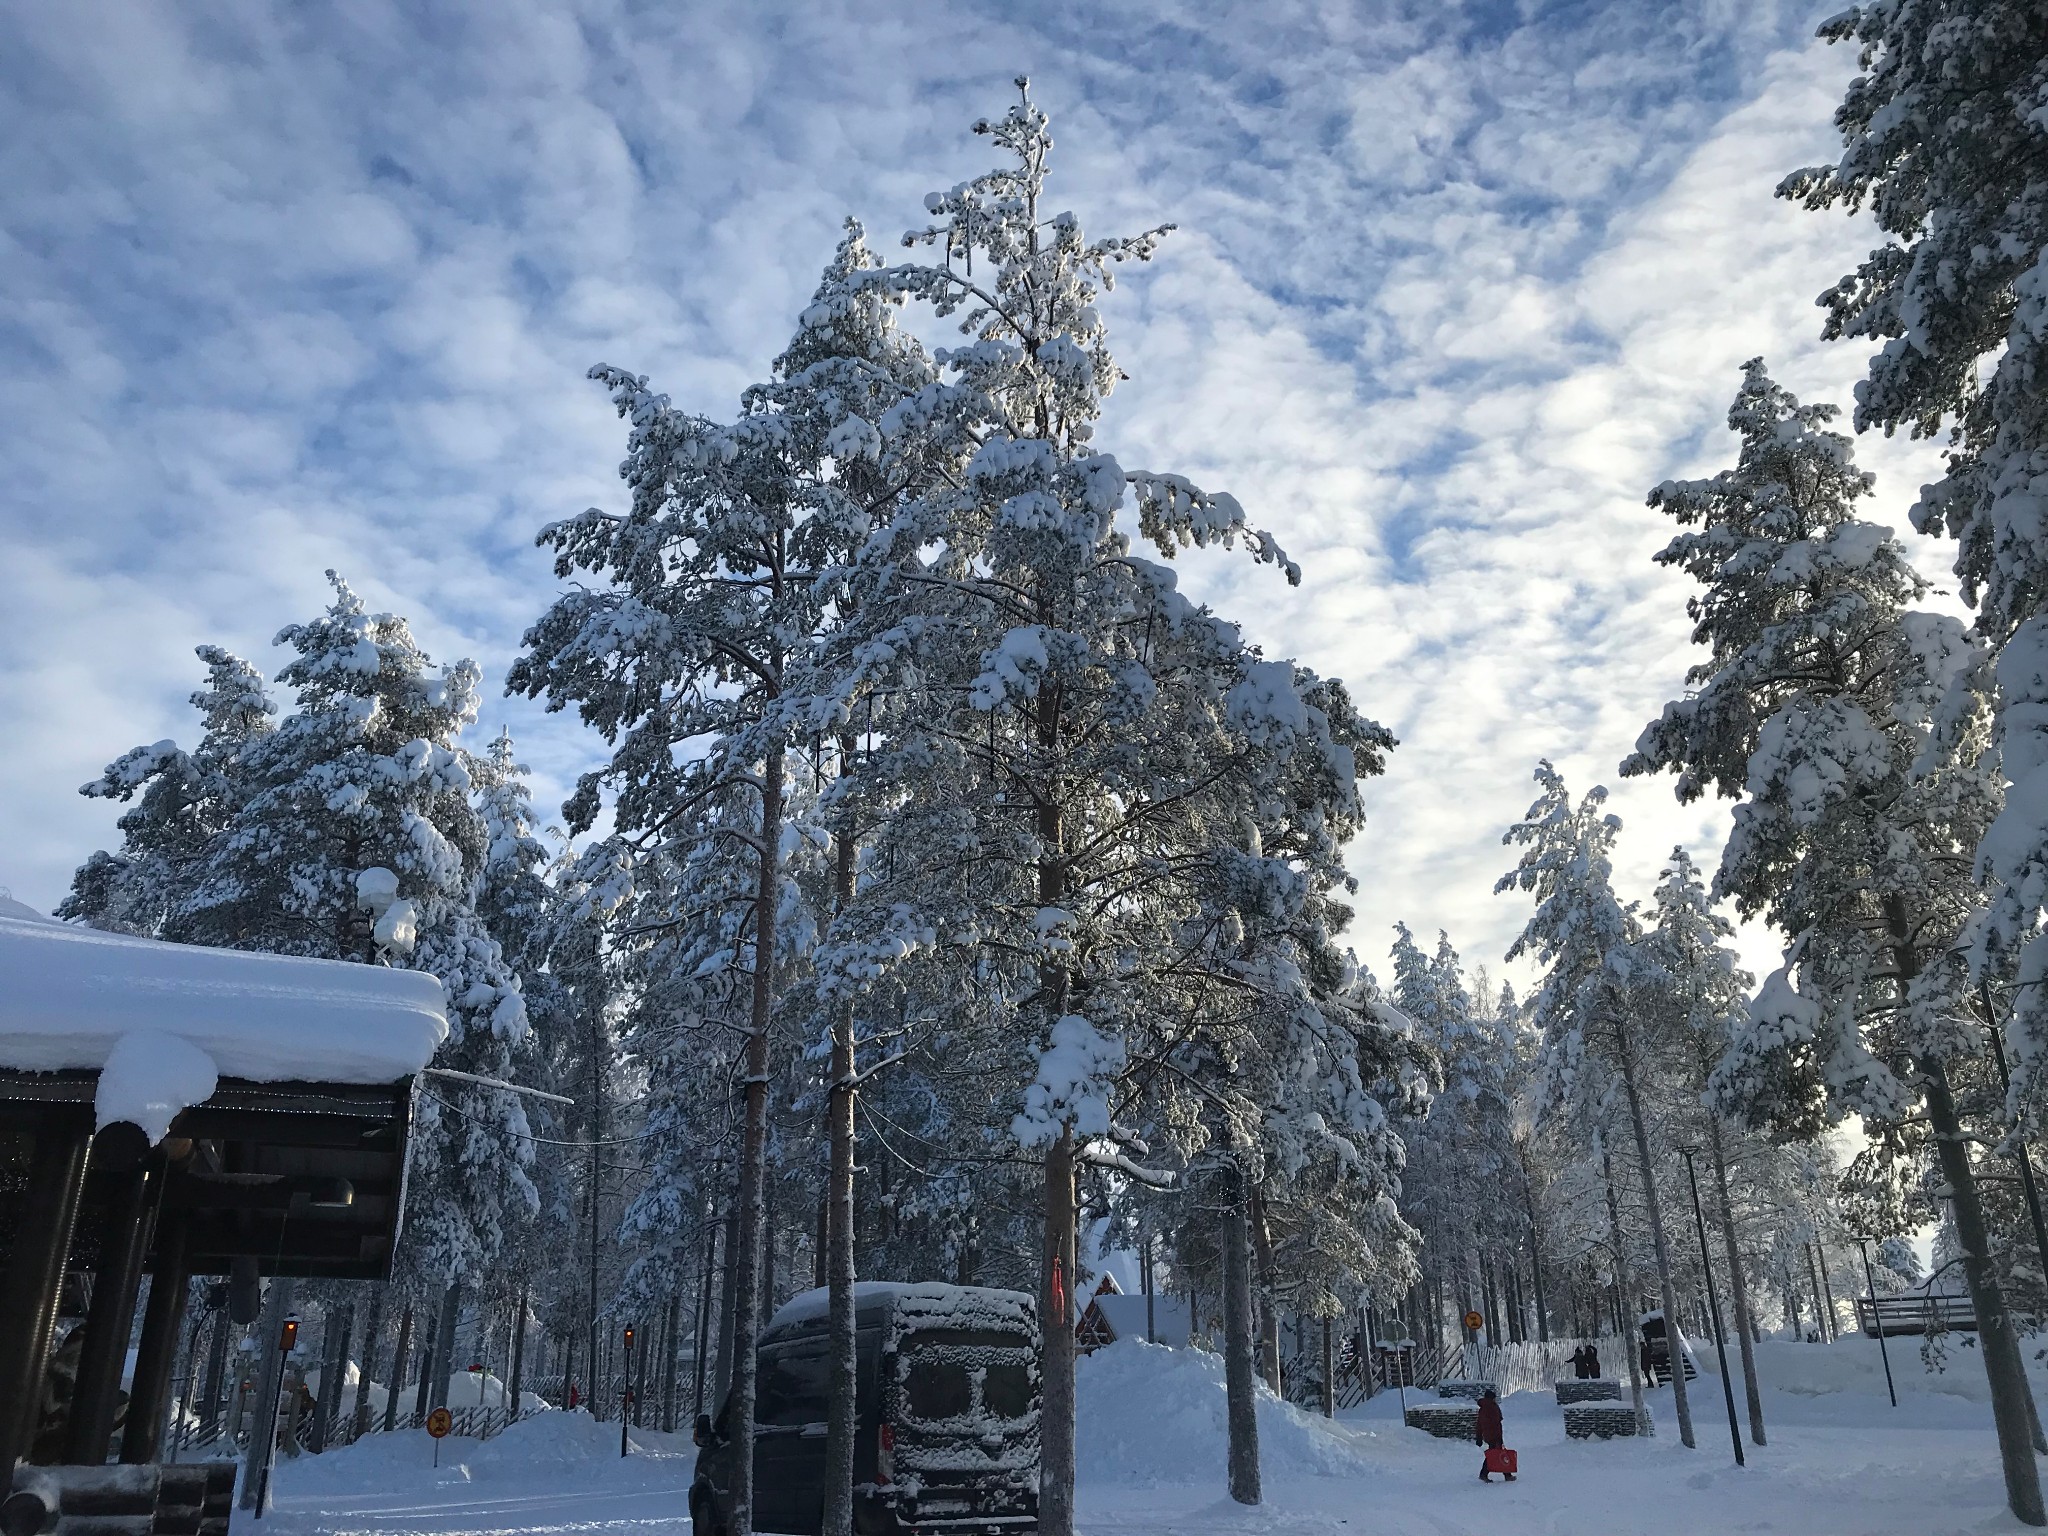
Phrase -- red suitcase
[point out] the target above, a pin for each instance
(1500, 1460)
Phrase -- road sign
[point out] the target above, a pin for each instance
(440, 1422)
(1474, 1321)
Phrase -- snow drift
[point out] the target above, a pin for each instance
(1152, 1416)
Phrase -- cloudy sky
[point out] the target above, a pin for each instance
(287, 288)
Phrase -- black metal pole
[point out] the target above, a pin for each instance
(1870, 1282)
(1714, 1313)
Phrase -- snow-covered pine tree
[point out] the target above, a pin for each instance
(710, 596)
(1462, 1156)
(1091, 782)
(347, 833)
(1841, 723)
(1592, 1039)
(1698, 999)
(186, 799)
(1945, 143)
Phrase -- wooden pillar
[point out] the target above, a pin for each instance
(156, 1353)
(34, 1275)
(132, 1186)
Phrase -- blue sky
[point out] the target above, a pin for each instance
(287, 288)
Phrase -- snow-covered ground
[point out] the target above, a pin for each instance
(1841, 1462)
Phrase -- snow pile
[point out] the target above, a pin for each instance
(1853, 1364)
(570, 1454)
(164, 1020)
(1154, 1416)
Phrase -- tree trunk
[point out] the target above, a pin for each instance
(1269, 1310)
(360, 1425)
(397, 1383)
(1738, 1285)
(597, 1048)
(1329, 1372)
(1628, 1343)
(1679, 1404)
(1998, 1339)
(746, 1311)
(1238, 1369)
(728, 1273)
(669, 1366)
(839, 1272)
(516, 1388)
(1056, 1370)
(444, 1345)
(697, 1374)
(1827, 1286)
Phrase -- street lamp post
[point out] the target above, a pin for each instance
(1713, 1307)
(1870, 1283)
(287, 1341)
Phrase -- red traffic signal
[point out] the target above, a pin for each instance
(288, 1338)
(629, 1336)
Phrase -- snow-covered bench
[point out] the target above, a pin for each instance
(1601, 1421)
(1474, 1390)
(1447, 1421)
(1597, 1389)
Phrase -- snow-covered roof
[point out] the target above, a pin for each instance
(161, 1022)
(928, 1300)
(1126, 1316)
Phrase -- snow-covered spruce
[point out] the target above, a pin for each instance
(1852, 732)
(343, 831)
(1089, 794)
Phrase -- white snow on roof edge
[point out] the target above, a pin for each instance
(152, 1016)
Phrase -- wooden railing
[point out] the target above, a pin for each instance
(1914, 1313)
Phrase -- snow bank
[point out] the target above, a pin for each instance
(554, 1451)
(1153, 1416)
(160, 1017)
(1853, 1364)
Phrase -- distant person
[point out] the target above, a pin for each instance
(1592, 1363)
(1579, 1363)
(1487, 1432)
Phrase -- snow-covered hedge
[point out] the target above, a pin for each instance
(1596, 1390)
(1601, 1421)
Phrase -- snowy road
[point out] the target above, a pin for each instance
(1839, 1464)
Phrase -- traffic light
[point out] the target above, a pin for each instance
(288, 1340)
(629, 1336)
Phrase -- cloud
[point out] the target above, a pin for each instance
(297, 289)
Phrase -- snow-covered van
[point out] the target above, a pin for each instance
(946, 1417)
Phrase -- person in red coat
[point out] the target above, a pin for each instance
(1487, 1431)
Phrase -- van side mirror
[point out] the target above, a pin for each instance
(701, 1433)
